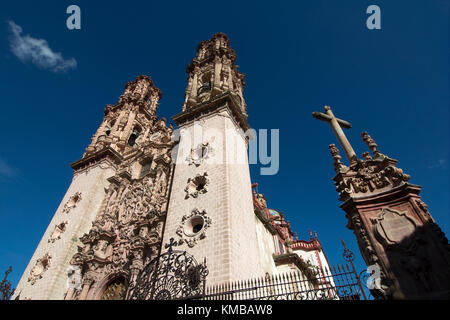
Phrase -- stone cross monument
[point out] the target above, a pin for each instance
(393, 227)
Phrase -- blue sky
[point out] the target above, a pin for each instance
(298, 57)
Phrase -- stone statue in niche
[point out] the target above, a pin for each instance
(143, 231)
(161, 181)
(102, 249)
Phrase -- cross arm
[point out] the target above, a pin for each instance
(325, 117)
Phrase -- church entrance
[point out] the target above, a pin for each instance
(172, 275)
(116, 290)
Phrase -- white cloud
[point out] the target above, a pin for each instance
(441, 164)
(6, 170)
(37, 51)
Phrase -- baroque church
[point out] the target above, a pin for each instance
(140, 189)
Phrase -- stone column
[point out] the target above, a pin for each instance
(87, 283)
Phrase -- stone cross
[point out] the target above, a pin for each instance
(337, 125)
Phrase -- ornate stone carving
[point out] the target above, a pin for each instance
(370, 255)
(197, 185)
(127, 231)
(422, 205)
(72, 202)
(394, 227)
(338, 165)
(213, 73)
(193, 227)
(372, 146)
(199, 154)
(57, 232)
(42, 265)
(367, 176)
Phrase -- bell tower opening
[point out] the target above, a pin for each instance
(133, 137)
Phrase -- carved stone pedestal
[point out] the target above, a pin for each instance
(396, 232)
(393, 227)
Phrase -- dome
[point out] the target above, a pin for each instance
(274, 214)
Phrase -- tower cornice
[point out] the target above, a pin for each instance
(97, 156)
(224, 100)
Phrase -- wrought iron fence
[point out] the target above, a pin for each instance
(177, 275)
(172, 275)
(337, 283)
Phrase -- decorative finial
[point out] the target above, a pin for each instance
(366, 156)
(348, 255)
(336, 157)
(372, 145)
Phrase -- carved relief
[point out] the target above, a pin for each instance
(199, 154)
(127, 231)
(57, 232)
(193, 227)
(369, 253)
(394, 228)
(422, 205)
(42, 265)
(127, 122)
(214, 72)
(72, 202)
(367, 176)
(197, 185)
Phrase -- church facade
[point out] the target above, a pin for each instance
(141, 184)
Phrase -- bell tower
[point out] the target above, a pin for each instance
(213, 73)
(113, 154)
(129, 121)
(211, 210)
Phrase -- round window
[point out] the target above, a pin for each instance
(194, 225)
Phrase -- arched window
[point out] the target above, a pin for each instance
(109, 127)
(134, 135)
(206, 83)
(204, 88)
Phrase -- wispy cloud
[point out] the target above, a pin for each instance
(441, 164)
(6, 170)
(27, 48)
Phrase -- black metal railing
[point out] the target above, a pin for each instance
(335, 283)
